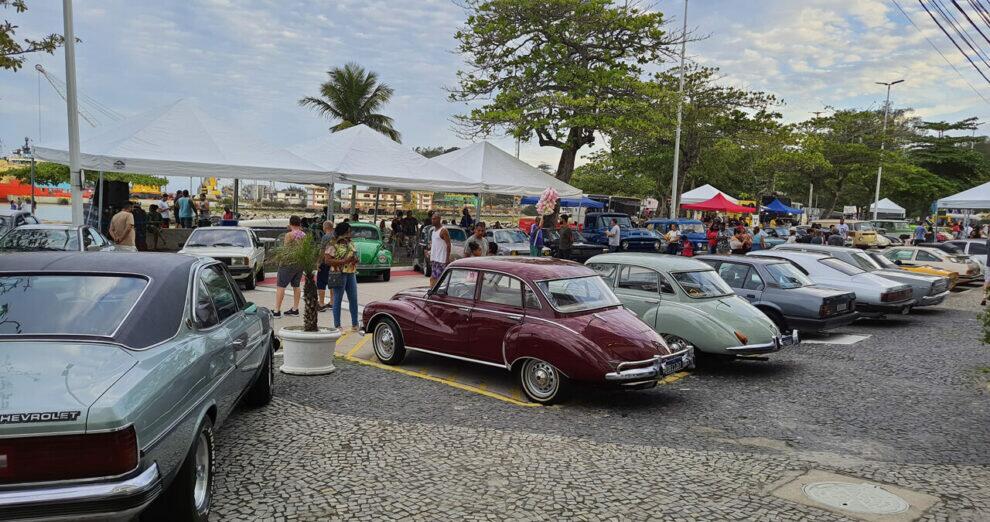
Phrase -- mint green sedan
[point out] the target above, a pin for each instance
(688, 304)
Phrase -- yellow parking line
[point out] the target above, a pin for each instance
(359, 345)
(448, 382)
(342, 337)
(673, 378)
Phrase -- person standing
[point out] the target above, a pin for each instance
(759, 239)
(843, 229)
(163, 211)
(439, 249)
(186, 210)
(919, 233)
(466, 220)
(409, 227)
(479, 239)
(154, 228)
(614, 234)
(122, 230)
(566, 239)
(816, 237)
(687, 247)
(140, 227)
(673, 237)
(835, 237)
(712, 236)
(323, 272)
(203, 209)
(536, 237)
(175, 208)
(397, 234)
(289, 274)
(342, 257)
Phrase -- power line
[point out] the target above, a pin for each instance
(971, 22)
(951, 39)
(960, 32)
(939, 51)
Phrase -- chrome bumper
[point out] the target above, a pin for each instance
(657, 367)
(102, 500)
(773, 346)
(931, 300)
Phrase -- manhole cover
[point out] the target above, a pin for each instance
(859, 498)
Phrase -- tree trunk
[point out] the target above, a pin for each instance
(565, 168)
(311, 305)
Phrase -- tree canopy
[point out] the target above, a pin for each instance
(353, 96)
(12, 52)
(47, 173)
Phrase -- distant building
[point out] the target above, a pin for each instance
(422, 200)
(317, 195)
(291, 196)
(387, 201)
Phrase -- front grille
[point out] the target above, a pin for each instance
(893, 297)
(224, 260)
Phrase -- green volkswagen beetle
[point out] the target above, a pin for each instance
(373, 258)
(688, 304)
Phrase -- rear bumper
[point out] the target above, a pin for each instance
(773, 346)
(931, 300)
(639, 245)
(876, 310)
(809, 324)
(634, 373)
(118, 500)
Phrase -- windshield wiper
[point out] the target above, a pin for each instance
(226, 244)
(195, 245)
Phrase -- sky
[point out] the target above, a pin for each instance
(250, 62)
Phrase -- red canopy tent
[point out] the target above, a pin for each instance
(718, 204)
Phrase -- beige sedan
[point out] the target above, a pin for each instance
(967, 269)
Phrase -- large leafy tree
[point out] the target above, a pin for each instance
(561, 70)
(951, 158)
(12, 52)
(47, 173)
(353, 96)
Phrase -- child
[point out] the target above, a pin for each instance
(687, 247)
(475, 248)
(492, 248)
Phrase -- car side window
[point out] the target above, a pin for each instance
(978, 249)
(665, 286)
(501, 289)
(925, 256)
(203, 309)
(733, 274)
(31, 219)
(88, 240)
(219, 289)
(459, 284)
(530, 300)
(753, 280)
(900, 255)
(638, 278)
(238, 296)
(606, 271)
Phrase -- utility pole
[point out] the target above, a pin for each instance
(680, 108)
(71, 105)
(883, 137)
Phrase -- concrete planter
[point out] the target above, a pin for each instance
(307, 353)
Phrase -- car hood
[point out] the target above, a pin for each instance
(906, 277)
(418, 292)
(367, 250)
(636, 233)
(214, 251)
(56, 378)
(619, 333)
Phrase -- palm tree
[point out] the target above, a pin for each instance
(352, 95)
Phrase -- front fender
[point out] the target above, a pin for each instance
(575, 356)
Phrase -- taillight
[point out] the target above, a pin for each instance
(67, 457)
(823, 311)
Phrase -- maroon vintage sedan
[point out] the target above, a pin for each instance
(550, 321)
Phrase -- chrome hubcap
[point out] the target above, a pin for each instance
(675, 343)
(202, 485)
(541, 379)
(384, 341)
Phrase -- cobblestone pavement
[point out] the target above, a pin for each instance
(909, 406)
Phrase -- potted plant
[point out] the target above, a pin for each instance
(307, 349)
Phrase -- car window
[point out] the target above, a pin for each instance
(701, 284)
(733, 273)
(459, 284)
(841, 266)
(219, 289)
(28, 240)
(456, 234)
(899, 255)
(238, 296)
(531, 301)
(978, 249)
(787, 276)
(578, 294)
(926, 256)
(219, 237)
(501, 289)
(665, 286)
(31, 219)
(204, 311)
(638, 278)
(753, 280)
(863, 261)
(88, 240)
(606, 270)
(371, 233)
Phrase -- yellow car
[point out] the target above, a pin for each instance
(967, 269)
(920, 269)
(862, 233)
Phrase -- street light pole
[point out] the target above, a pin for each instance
(71, 105)
(680, 108)
(883, 137)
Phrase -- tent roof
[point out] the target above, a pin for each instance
(181, 140)
(704, 193)
(974, 198)
(565, 202)
(887, 206)
(777, 206)
(500, 172)
(719, 203)
(361, 156)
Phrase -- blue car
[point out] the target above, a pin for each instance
(631, 238)
(694, 229)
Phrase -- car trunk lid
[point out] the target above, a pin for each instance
(619, 332)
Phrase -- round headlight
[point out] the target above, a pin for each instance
(382, 258)
(656, 245)
(625, 245)
(238, 261)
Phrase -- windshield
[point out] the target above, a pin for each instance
(366, 233)
(219, 236)
(509, 236)
(691, 228)
(701, 284)
(865, 226)
(786, 276)
(841, 266)
(623, 221)
(864, 261)
(24, 240)
(66, 304)
(578, 294)
(456, 234)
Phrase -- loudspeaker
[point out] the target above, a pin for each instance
(115, 194)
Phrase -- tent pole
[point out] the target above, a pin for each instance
(330, 202)
(237, 195)
(481, 200)
(378, 195)
(99, 205)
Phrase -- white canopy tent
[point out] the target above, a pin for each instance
(181, 140)
(704, 193)
(888, 207)
(500, 172)
(971, 199)
(362, 156)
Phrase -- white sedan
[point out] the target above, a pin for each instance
(237, 247)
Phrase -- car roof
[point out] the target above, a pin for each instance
(658, 261)
(534, 268)
(790, 254)
(9, 212)
(363, 224)
(752, 260)
(224, 227)
(157, 314)
(50, 226)
(679, 221)
(805, 247)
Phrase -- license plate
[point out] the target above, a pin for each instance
(842, 307)
(513, 252)
(673, 366)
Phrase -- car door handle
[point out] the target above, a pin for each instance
(238, 343)
(514, 317)
(651, 301)
(751, 296)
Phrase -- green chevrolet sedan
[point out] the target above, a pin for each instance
(688, 304)
(373, 258)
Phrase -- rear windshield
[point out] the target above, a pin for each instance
(841, 266)
(578, 294)
(66, 304)
(785, 275)
(219, 237)
(864, 261)
(28, 239)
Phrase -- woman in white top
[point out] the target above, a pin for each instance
(439, 249)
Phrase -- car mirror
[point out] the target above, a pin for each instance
(250, 308)
(898, 262)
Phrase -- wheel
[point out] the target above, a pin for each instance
(260, 276)
(676, 343)
(777, 320)
(625, 245)
(250, 283)
(386, 275)
(190, 495)
(541, 382)
(387, 342)
(263, 389)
